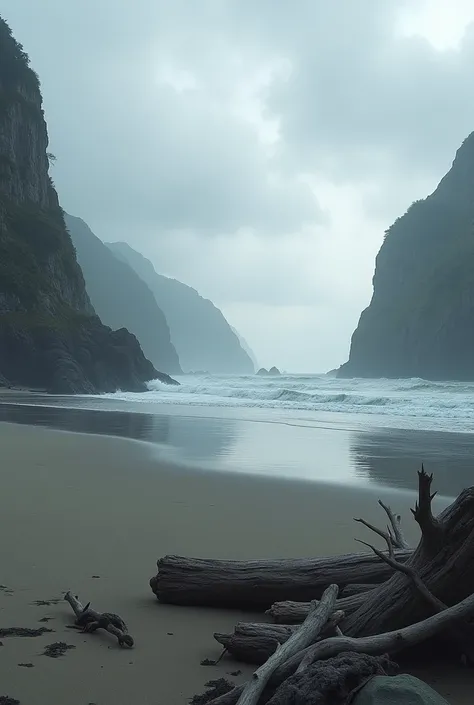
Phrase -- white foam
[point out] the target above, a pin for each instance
(418, 402)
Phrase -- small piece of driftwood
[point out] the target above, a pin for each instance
(89, 620)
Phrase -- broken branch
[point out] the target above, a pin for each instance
(431, 528)
(395, 520)
(90, 620)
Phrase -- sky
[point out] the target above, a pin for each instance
(254, 149)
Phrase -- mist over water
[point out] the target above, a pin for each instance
(409, 403)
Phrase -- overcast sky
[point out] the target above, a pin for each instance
(255, 149)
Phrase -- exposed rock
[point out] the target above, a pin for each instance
(398, 690)
(121, 298)
(50, 336)
(420, 320)
(274, 371)
(203, 338)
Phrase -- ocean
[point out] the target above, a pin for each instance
(303, 427)
(410, 403)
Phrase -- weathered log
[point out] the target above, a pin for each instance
(89, 620)
(389, 642)
(291, 612)
(259, 583)
(253, 642)
(443, 560)
(300, 639)
(356, 589)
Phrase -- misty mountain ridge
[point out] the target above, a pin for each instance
(203, 338)
(420, 321)
(121, 297)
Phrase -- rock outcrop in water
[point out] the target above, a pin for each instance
(121, 298)
(203, 338)
(420, 322)
(50, 336)
(273, 371)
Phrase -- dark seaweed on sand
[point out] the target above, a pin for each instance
(5, 700)
(218, 687)
(46, 603)
(58, 648)
(23, 631)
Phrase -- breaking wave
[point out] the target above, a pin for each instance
(451, 403)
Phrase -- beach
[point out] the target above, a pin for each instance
(92, 514)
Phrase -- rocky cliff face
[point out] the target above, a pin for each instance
(121, 298)
(203, 338)
(420, 322)
(50, 336)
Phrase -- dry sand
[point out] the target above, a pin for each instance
(75, 506)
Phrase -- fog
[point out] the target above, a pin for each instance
(256, 151)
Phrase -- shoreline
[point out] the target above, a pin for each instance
(202, 439)
(74, 506)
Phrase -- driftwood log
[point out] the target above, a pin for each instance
(256, 642)
(259, 583)
(356, 589)
(291, 612)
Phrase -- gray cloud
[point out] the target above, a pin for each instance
(256, 150)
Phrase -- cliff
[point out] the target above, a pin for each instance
(202, 336)
(246, 347)
(50, 336)
(121, 298)
(420, 322)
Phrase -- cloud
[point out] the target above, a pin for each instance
(256, 150)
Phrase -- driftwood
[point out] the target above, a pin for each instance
(256, 642)
(461, 634)
(259, 583)
(356, 589)
(89, 620)
(300, 639)
(443, 561)
(389, 642)
(291, 612)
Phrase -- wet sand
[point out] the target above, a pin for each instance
(74, 506)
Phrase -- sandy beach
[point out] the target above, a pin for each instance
(75, 506)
